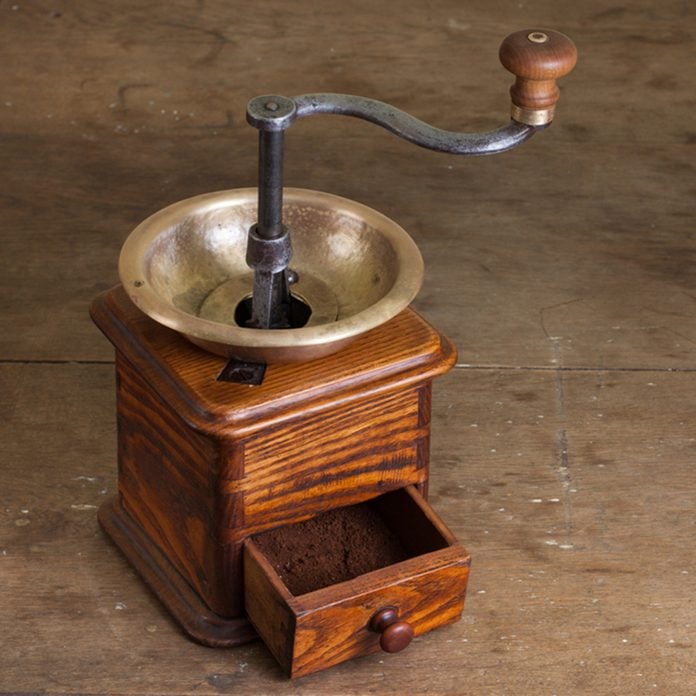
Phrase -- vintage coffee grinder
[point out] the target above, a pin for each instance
(273, 397)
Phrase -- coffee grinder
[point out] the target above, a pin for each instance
(273, 398)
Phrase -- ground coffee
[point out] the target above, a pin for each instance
(336, 546)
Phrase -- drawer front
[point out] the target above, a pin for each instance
(327, 633)
(335, 458)
(326, 626)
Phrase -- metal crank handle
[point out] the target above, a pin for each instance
(536, 57)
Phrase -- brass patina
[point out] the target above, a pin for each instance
(185, 267)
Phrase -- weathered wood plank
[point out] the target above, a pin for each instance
(576, 248)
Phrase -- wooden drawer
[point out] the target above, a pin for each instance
(313, 589)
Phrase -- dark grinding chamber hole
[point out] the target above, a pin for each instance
(298, 313)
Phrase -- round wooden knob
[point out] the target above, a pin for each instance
(537, 57)
(395, 635)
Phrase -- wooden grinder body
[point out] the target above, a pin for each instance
(204, 465)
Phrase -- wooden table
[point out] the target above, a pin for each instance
(564, 271)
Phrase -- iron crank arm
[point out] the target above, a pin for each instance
(536, 57)
(389, 117)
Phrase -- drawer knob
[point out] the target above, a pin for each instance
(395, 635)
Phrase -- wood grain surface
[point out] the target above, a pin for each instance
(562, 445)
(404, 352)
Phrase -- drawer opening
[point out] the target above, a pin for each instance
(347, 542)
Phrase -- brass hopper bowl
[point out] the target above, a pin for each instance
(185, 267)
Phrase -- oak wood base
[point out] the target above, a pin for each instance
(195, 618)
(204, 465)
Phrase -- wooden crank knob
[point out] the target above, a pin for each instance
(395, 635)
(537, 57)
